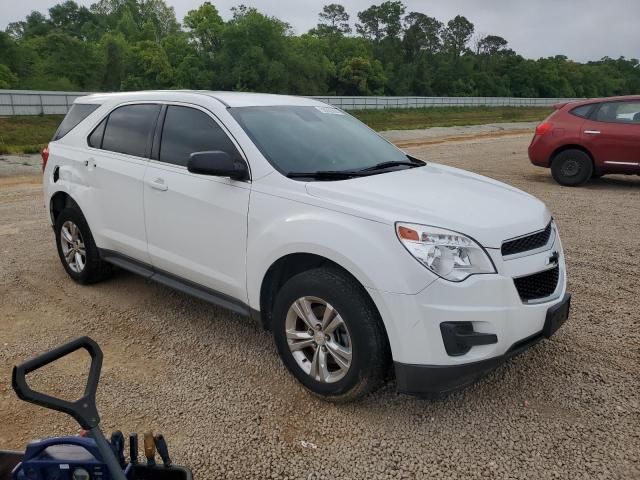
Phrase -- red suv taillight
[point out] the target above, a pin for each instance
(543, 128)
(45, 156)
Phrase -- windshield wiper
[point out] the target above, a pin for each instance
(413, 162)
(344, 174)
(327, 174)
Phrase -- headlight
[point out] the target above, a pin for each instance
(450, 255)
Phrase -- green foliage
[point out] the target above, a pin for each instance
(361, 76)
(7, 78)
(132, 44)
(146, 66)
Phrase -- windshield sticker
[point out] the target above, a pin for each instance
(330, 110)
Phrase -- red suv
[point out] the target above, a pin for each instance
(590, 138)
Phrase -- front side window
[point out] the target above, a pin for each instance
(129, 129)
(187, 130)
(619, 112)
(314, 139)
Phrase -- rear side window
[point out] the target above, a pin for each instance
(129, 129)
(187, 130)
(77, 113)
(582, 111)
(95, 139)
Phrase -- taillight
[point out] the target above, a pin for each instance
(45, 157)
(543, 128)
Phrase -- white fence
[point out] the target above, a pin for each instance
(364, 103)
(31, 102)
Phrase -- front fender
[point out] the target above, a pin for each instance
(369, 250)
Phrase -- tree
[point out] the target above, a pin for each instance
(114, 48)
(62, 56)
(161, 16)
(35, 25)
(491, 45)
(254, 53)
(7, 78)
(361, 76)
(146, 67)
(381, 21)
(116, 44)
(457, 34)
(71, 19)
(205, 28)
(422, 34)
(334, 20)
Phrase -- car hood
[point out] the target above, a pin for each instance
(485, 209)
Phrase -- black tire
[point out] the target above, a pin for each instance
(94, 268)
(572, 168)
(368, 340)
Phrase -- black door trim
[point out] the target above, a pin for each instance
(178, 283)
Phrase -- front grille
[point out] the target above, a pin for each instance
(524, 244)
(538, 285)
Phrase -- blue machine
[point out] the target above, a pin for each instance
(62, 458)
(80, 458)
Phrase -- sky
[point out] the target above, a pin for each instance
(580, 29)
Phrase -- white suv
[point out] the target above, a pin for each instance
(355, 255)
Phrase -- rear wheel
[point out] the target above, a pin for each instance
(572, 168)
(329, 335)
(77, 249)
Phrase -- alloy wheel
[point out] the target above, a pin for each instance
(319, 339)
(73, 248)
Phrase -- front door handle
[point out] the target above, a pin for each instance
(158, 184)
(592, 132)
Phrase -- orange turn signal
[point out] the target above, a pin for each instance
(408, 234)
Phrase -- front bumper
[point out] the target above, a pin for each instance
(490, 305)
(437, 380)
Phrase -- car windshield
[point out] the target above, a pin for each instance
(315, 139)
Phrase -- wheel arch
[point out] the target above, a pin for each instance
(59, 201)
(574, 146)
(286, 267)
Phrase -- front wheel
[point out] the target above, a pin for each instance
(329, 335)
(572, 168)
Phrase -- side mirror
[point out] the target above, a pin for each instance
(218, 164)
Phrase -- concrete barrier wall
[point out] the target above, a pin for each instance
(30, 102)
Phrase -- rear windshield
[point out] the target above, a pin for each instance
(77, 113)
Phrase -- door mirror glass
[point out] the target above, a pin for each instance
(218, 164)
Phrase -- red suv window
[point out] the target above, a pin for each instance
(583, 111)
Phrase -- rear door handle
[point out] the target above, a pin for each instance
(158, 184)
(592, 132)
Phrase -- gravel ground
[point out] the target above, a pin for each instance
(213, 384)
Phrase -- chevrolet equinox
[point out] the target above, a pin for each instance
(360, 259)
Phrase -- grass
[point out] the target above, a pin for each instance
(410, 119)
(27, 134)
(30, 134)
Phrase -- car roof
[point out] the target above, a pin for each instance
(229, 99)
(621, 98)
